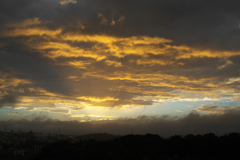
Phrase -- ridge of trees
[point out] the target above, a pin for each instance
(149, 146)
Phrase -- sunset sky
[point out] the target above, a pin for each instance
(165, 67)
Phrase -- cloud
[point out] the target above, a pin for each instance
(122, 18)
(64, 2)
(67, 52)
(58, 111)
(195, 23)
(178, 111)
(17, 114)
(104, 20)
(217, 109)
(165, 126)
(38, 117)
(26, 23)
(9, 100)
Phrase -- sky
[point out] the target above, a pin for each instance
(89, 66)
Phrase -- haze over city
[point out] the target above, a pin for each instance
(100, 66)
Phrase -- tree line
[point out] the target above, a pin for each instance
(147, 147)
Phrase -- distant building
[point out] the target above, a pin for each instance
(19, 152)
(37, 148)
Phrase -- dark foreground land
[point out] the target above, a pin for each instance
(146, 147)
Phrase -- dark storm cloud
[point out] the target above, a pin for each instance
(165, 126)
(202, 23)
(206, 67)
(28, 64)
(44, 73)
(23, 62)
(9, 100)
(199, 24)
(186, 22)
(193, 68)
(235, 59)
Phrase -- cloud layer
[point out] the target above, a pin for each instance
(165, 126)
(66, 55)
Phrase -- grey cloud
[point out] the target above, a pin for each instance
(45, 73)
(202, 24)
(165, 126)
(38, 117)
(9, 99)
(17, 114)
(124, 101)
(195, 67)
(217, 109)
(85, 45)
(235, 59)
(59, 111)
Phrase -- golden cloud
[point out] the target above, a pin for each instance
(7, 81)
(96, 99)
(109, 50)
(26, 23)
(64, 2)
(31, 32)
(113, 63)
(40, 91)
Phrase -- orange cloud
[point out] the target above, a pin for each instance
(95, 99)
(31, 32)
(108, 51)
(64, 2)
(26, 23)
(41, 91)
(7, 81)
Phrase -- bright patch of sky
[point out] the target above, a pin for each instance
(169, 107)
